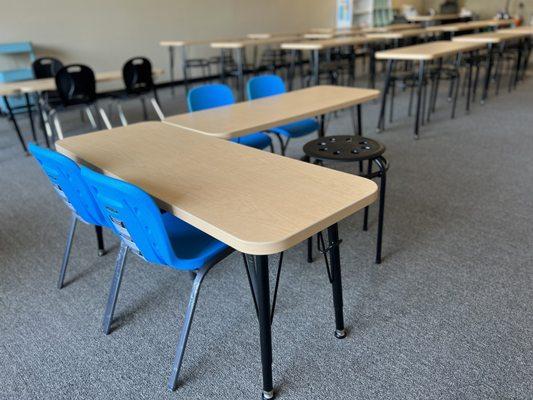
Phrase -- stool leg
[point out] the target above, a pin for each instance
(100, 240)
(365, 219)
(383, 183)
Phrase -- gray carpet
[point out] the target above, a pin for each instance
(446, 316)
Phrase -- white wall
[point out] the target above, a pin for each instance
(104, 33)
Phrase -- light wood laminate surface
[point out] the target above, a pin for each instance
(490, 37)
(427, 51)
(527, 30)
(436, 17)
(327, 43)
(41, 85)
(254, 201)
(239, 44)
(256, 115)
(400, 34)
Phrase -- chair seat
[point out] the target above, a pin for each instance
(297, 129)
(193, 248)
(256, 140)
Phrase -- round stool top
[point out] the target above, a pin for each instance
(344, 148)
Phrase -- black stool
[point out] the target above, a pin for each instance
(353, 149)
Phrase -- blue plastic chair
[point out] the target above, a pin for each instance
(157, 237)
(270, 85)
(218, 95)
(68, 183)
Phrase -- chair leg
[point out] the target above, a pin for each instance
(411, 96)
(185, 329)
(115, 287)
(104, 117)
(121, 115)
(90, 115)
(57, 126)
(66, 255)
(100, 240)
(145, 111)
(157, 109)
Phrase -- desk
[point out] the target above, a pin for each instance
(269, 112)
(315, 46)
(398, 35)
(391, 28)
(238, 47)
(257, 202)
(432, 18)
(469, 26)
(421, 53)
(491, 39)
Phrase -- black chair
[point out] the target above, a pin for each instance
(138, 80)
(46, 67)
(76, 87)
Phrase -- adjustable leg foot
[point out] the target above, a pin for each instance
(267, 395)
(340, 333)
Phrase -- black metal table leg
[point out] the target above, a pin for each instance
(359, 120)
(419, 98)
(367, 208)
(381, 121)
(457, 83)
(380, 161)
(518, 64)
(316, 67)
(310, 249)
(15, 125)
(265, 332)
(469, 89)
(240, 73)
(322, 130)
(490, 61)
(372, 67)
(333, 239)
(30, 116)
(222, 67)
(184, 69)
(171, 67)
(292, 69)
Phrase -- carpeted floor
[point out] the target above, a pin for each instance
(448, 315)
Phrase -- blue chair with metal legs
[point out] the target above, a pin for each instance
(68, 183)
(270, 85)
(157, 237)
(218, 95)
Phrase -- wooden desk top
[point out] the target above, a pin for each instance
(527, 30)
(254, 201)
(391, 28)
(399, 34)
(9, 89)
(466, 26)
(426, 51)
(436, 17)
(239, 44)
(262, 114)
(490, 37)
(269, 35)
(327, 43)
(41, 85)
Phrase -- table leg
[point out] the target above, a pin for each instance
(184, 69)
(352, 65)
(437, 81)
(457, 84)
(15, 124)
(381, 121)
(265, 328)
(322, 130)
(359, 120)
(222, 67)
(469, 90)
(333, 239)
(372, 67)
(171, 68)
(419, 97)
(292, 69)
(316, 66)
(240, 72)
(30, 116)
(518, 63)
(490, 60)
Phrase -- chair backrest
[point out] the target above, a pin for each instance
(264, 86)
(76, 84)
(137, 74)
(67, 181)
(209, 96)
(46, 67)
(133, 215)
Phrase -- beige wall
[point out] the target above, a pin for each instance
(104, 33)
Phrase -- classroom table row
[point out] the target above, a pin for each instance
(307, 199)
(233, 50)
